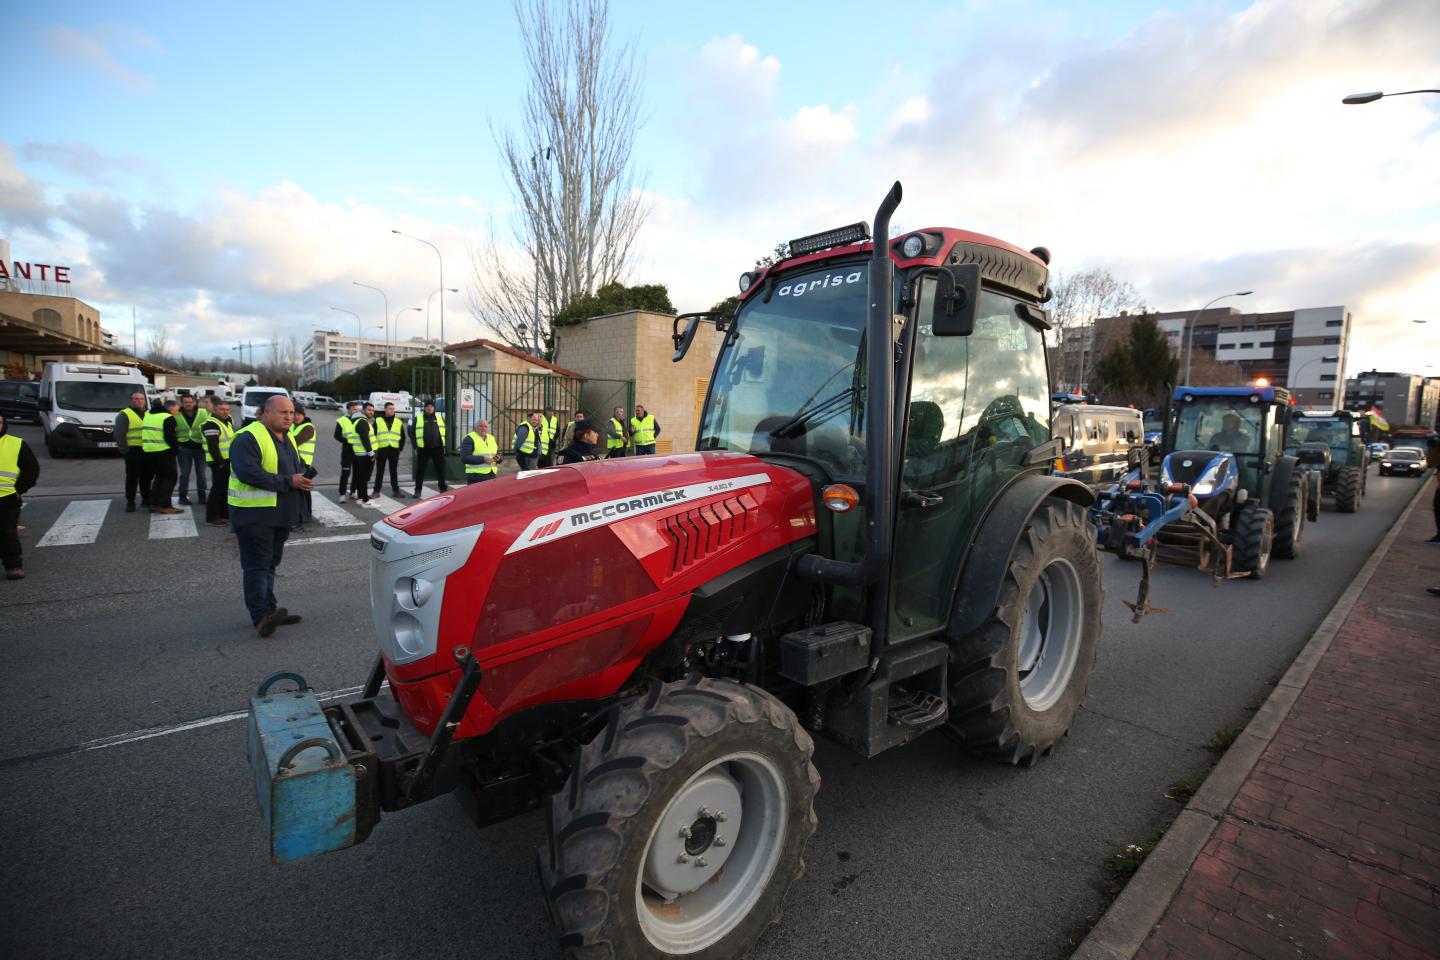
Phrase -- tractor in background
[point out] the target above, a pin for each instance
(1329, 446)
(1227, 497)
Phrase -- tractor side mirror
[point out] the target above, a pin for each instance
(957, 300)
(683, 338)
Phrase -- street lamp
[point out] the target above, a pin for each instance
(384, 360)
(1190, 339)
(398, 313)
(442, 307)
(441, 258)
(1355, 99)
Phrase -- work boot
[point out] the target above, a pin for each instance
(168, 510)
(290, 619)
(270, 621)
(129, 506)
(218, 523)
(184, 499)
(15, 573)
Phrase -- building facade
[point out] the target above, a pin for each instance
(329, 353)
(1303, 349)
(36, 327)
(1403, 397)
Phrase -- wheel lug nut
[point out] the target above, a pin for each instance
(701, 862)
(685, 832)
(683, 858)
(719, 841)
(704, 812)
(720, 816)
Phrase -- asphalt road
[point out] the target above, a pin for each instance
(153, 847)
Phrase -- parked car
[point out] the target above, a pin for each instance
(254, 398)
(1378, 448)
(1402, 461)
(20, 400)
(322, 402)
(1102, 444)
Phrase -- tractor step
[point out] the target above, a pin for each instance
(916, 708)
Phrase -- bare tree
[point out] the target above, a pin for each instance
(578, 199)
(1079, 300)
(157, 344)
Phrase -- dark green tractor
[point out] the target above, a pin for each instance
(1329, 446)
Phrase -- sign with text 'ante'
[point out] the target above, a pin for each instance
(46, 272)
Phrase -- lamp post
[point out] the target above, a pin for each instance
(358, 336)
(430, 297)
(384, 360)
(439, 256)
(1190, 338)
(398, 313)
(1355, 99)
(1291, 379)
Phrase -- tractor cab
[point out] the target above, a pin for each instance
(1223, 443)
(1331, 447)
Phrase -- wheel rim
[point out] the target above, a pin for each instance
(1050, 635)
(1267, 543)
(712, 853)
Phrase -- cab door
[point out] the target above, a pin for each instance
(977, 405)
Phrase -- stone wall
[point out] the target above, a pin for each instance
(635, 345)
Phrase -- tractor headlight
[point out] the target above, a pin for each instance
(420, 591)
(913, 246)
(1203, 489)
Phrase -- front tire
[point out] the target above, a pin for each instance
(1347, 490)
(1252, 542)
(1019, 679)
(632, 871)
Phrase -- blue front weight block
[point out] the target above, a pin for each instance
(305, 786)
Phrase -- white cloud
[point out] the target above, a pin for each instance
(95, 51)
(819, 126)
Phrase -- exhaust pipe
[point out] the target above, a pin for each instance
(879, 408)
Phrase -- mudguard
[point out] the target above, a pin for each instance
(978, 587)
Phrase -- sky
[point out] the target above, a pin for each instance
(230, 173)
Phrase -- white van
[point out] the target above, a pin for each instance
(403, 409)
(79, 403)
(254, 399)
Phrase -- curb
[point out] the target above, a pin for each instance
(1123, 928)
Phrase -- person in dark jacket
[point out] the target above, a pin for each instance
(19, 471)
(582, 447)
(190, 454)
(267, 479)
(364, 427)
(347, 416)
(217, 432)
(162, 448)
(129, 435)
(428, 432)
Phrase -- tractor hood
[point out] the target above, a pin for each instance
(580, 569)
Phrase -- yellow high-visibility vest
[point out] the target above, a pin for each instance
(152, 428)
(614, 443)
(486, 446)
(387, 435)
(348, 431)
(548, 430)
(420, 430)
(527, 445)
(306, 449)
(227, 434)
(242, 494)
(643, 431)
(9, 465)
(133, 436)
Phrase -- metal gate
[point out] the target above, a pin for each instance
(504, 399)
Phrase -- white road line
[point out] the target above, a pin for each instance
(336, 539)
(172, 526)
(331, 514)
(78, 523)
(384, 504)
(150, 733)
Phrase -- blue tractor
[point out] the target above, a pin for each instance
(1227, 497)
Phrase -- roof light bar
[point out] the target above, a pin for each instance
(840, 236)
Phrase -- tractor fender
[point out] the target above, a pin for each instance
(977, 589)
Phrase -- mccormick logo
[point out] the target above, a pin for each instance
(553, 526)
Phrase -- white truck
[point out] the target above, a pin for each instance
(79, 403)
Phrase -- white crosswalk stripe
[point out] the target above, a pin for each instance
(79, 523)
(330, 514)
(172, 526)
(384, 504)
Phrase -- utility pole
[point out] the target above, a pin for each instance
(134, 334)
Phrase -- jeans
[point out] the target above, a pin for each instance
(192, 458)
(644, 449)
(478, 477)
(614, 452)
(261, 549)
(527, 461)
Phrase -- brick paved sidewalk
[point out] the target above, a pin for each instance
(1332, 846)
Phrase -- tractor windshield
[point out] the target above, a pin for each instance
(1229, 424)
(789, 378)
(1333, 432)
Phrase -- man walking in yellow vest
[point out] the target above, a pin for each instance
(428, 431)
(131, 438)
(527, 441)
(644, 428)
(19, 469)
(160, 446)
(549, 437)
(218, 432)
(480, 452)
(615, 434)
(302, 434)
(189, 420)
(389, 441)
(266, 480)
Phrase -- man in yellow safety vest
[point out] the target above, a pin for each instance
(480, 452)
(389, 441)
(644, 428)
(160, 445)
(549, 437)
(191, 454)
(19, 469)
(527, 441)
(217, 432)
(428, 432)
(266, 479)
(343, 429)
(615, 439)
(129, 435)
(302, 434)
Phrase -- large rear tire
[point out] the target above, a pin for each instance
(682, 826)
(1347, 490)
(1290, 515)
(1252, 541)
(1018, 680)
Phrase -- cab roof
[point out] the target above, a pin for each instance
(1268, 394)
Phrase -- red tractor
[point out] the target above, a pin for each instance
(867, 545)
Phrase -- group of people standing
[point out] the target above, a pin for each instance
(371, 444)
